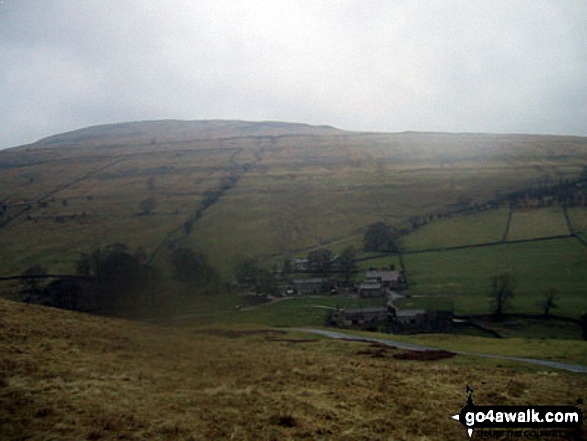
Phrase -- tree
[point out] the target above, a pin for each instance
(187, 227)
(501, 294)
(319, 260)
(347, 262)
(549, 302)
(287, 267)
(147, 206)
(583, 324)
(381, 237)
(120, 279)
(64, 293)
(247, 272)
(31, 283)
(191, 268)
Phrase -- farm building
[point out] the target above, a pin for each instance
(379, 283)
(410, 321)
(396, 320)
(406, 316)
(311, 286)
(371, 290)
(387, 279)
(300, 265)
(364, 316)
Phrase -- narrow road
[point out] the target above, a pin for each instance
(415, 347)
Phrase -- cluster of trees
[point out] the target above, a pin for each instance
(117, 281)
(566, 192)
(260, 280)
(381, 237)
(212, 196)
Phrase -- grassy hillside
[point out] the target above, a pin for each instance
(292, 187)
(65, 375)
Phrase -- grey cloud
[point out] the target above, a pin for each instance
(490, 66)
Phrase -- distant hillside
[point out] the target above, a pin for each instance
(236, 189)
(173, 131)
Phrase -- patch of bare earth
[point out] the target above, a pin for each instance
(73, 376)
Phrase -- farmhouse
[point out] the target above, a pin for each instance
(387, 279)
(410, 321)
(311, 286)
(364, 316)
(300, 265)
(379, 283)
(371, 290)
(406, 316)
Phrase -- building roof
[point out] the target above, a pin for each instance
(371, 309)
(370, 286)
(409, 312)
(385, 276)
(308, 281)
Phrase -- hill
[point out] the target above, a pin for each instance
(234, 189)
(66, 375)
(177, 131)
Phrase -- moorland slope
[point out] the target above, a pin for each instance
(233, 189)
(67, 375)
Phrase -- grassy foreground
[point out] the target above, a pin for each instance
(65, 375)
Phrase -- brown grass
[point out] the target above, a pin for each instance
(73, 376)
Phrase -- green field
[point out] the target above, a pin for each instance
(578, 217)
(537, 266)
(469, 229)
(283, 312)
(533, 223)
(378, 262)
(552, 349)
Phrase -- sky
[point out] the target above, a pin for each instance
(492, 66)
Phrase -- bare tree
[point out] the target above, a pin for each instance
(549, 301)
(147, 206)
(501, 294)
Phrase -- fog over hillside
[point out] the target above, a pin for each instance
(181, 131)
